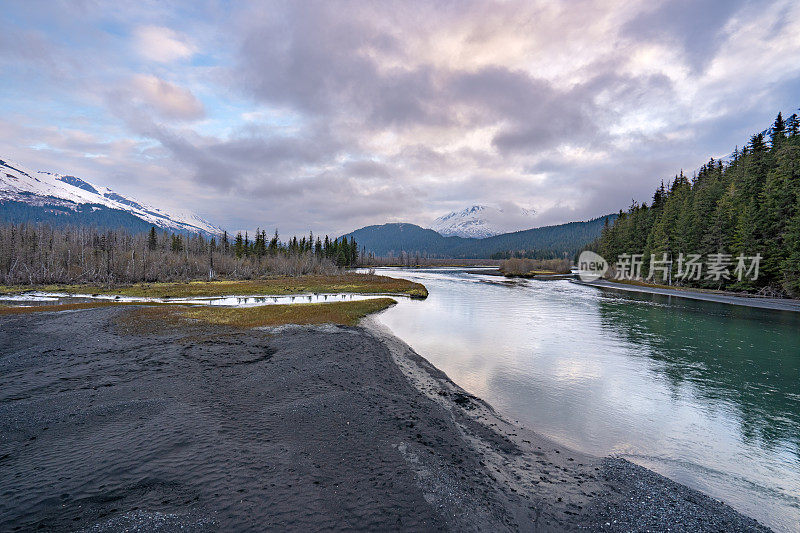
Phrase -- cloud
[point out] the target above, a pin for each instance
(334, 115)
(162, 45)
(697, 27)
(168, 100)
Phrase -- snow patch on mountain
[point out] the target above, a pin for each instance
(44, 188)
(480, 221)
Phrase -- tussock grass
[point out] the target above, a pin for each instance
(149, 318)
(344, 313)
(153, 319)
(350, 282)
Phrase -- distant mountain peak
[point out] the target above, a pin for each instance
(43, 189)
(481, 221)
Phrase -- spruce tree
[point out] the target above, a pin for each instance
(152, 239)
(274, 243)
(757, 143)
(177, 243)
(778, 131)
(341, 255)
(238, 246)
(793, 125)
(353, 259)
(790, 269)
(260, 245)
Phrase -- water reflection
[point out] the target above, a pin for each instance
(45, 298)
(708, 394)
(746, 358)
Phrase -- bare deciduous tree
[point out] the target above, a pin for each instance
(42, 254)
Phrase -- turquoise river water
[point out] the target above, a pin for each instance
(704, 393)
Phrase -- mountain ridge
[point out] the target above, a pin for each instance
(543, 242)
(41, 196)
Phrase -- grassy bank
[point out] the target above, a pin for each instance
(345, 313)
(354, 283)
(145, 317)
(154, 318)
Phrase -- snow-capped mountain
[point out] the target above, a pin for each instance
(57, 193)
(480, 221)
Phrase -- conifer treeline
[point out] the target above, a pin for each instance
(342, 251)
(42, 254)
(748, 205)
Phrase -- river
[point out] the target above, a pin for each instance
(704, 393)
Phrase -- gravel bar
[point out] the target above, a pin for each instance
(105, 427)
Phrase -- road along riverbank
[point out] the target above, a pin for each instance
(777, 304)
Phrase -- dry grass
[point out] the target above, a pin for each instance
(344, 313)
(156, 317)
(153, 319)
(353, 283)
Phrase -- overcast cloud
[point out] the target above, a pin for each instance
(328, 116)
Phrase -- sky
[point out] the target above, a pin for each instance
(329, 116)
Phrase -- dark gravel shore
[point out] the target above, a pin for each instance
(106, 428)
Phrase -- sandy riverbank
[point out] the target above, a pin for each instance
(206, 428)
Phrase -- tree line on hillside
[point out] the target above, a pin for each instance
(405, 259)
(44, 254)
(745, 208)
(62, 213)
(547, 242)
(399, 240)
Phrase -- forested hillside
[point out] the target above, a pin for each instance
(749, 205)
(55, 214)
(395, 238)
(547, 242)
